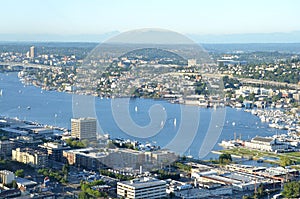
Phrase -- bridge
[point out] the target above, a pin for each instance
(25, 65)
(258, 82)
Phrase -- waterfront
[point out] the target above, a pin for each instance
(55, 108)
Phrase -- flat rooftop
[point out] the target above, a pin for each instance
(25, 182)
(143, 182)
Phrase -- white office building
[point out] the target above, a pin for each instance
(6, 177)
(144, 187)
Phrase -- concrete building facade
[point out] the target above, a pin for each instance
(84, 128)
(6, 177)
(145, 187)
(6, 147)
(30, 156)
(54, 150)
(265, 144)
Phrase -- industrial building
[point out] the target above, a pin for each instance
(265, 144)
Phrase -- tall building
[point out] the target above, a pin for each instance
(6, 177)
(84, 128)
(144, 187)
(32, 52)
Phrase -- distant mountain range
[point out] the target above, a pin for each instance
(291, 37)
(280, 37)
(58, 38)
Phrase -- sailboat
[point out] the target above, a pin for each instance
(162, 123)
(1, 91)
(136, 109)
(175, 122)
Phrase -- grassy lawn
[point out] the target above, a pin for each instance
(256, 154)
(294, 154)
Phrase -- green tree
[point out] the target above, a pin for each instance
(240, 99)
(83, 195)
(75, 143)
(65, 169)
(277, 97)
(201, 88)
(252, 97)
(183, 167)
(260, 191)
(291, 190)
(19, 173)
(225, 158)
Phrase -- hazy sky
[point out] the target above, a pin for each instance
(184, 16)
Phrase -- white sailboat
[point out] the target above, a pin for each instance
(136, 109)
(1, 91)
(175, 122)
(162, 123)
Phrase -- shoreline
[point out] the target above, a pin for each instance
(38, 89)
(228, 104)
(205, 104)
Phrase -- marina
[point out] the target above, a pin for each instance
(278, 118)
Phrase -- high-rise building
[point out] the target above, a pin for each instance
(84, 128)
(32, 52)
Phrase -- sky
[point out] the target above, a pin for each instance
(215, 17)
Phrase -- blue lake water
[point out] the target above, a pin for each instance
(55, 108)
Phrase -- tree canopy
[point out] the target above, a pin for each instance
(291, 190)
(225, 158)
(20, 173)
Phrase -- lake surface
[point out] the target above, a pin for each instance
(150, 121)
